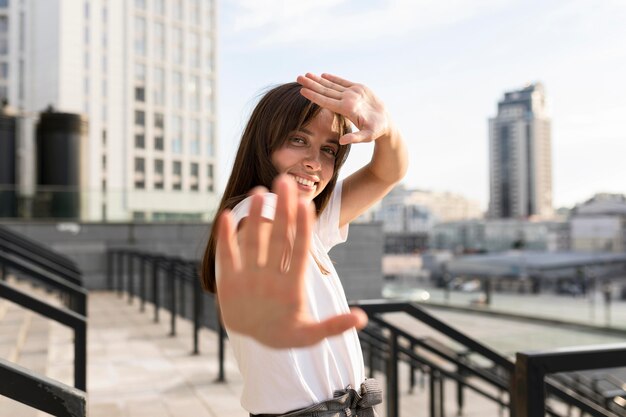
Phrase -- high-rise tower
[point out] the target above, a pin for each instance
(520, 156)
(143, 73)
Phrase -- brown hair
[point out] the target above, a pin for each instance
(281, 111)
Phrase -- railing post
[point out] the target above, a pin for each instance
(3, 271)
(529, 393)
(221, 377)
(392, 376)
(460, 397)
(155, 287)
(412, 371)
(120, 272)
(197, 308)
(432, 388)
(110, 269)
(80, 357)
(142, 282)
(371, 358)
(172, 283)
(131, 276)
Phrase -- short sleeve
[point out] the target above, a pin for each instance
(241, 210)
(327, 226)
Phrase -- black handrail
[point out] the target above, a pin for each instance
(77, 294)
(121, 278)
(69, 318)
(464, 368)
(40, 392)
(28, 247)
(532, 368)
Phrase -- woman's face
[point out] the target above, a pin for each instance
(308, 155)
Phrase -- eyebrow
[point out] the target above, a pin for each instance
(308, 132)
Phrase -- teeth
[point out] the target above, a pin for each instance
(303, 181)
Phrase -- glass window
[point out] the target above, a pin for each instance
(194, 93)
(140, 36)
(159, 7)
(140, 72)
(178, 93)
(209, 177)
(158, 174)
(177, 134)
(140, 141)
(209, 136)
(178, 10)
(159, 121)
(159, 87)
(140, 165)
(177, 170)
(4, 70)
(196, 12)
(140, 118)
(140, 4)
(159, 41)
(194, 168)
(195, 52)
(140, 94)
(178, 46)
(158, 143)
(4, 3)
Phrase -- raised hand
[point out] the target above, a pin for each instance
(354, 101)
(261, 276)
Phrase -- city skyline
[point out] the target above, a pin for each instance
(441, 69)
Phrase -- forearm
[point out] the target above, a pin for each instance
(390, 159)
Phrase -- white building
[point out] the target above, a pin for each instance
(520, 156)
(417, 211)
(143, 72)
(599, 224)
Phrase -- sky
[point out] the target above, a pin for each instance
(441, 67)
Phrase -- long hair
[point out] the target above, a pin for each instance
(281, 111)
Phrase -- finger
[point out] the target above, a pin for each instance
(251, 250)
(227, 251)
(302, 243)
(356, 137)
(338, 80)
(321, 85)
(331, 104)
(318, 87)
(315, 332)
(284, 220)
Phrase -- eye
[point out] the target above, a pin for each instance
(297, 140)
(330, 151)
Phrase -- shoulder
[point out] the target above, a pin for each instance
(241, 210)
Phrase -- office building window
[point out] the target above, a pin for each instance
(140, 72)
(196, 12)
(4, 3)
(195, 53)
(159, 41)
(140, 118)
(140, 36)
(140, 4)
(158, 143)
(178, 92)
(140, 169)
(209, 170)
(159, 121)
(177, 171)
(209, 136)
(194, 93)
(178, 46)
(194, 180)
(4, 70)
(140, 141)
(158, 174)
(140, 94)
(179, 13)
(177, 134)
(4, 39)
(159, 87)
(159, 7)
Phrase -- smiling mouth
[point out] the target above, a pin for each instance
(308, 184)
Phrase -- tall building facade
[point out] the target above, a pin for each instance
(520, 156)
(143, 72)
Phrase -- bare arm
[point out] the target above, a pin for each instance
(368, 113)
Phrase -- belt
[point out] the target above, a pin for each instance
(345, 403)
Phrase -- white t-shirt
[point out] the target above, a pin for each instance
(281, 380)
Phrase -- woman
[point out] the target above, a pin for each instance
(282, 303)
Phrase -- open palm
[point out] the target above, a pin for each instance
(261, 277)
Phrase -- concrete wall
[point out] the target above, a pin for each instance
(358, 261)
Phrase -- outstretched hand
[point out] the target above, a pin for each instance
(354, 101)
(261, 277)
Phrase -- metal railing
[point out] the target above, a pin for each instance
(533, 368)
(391, 346)
(167, 282)
(52, 271)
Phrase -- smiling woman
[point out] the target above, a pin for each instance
(280, 297)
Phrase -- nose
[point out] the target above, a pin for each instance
(312, 160)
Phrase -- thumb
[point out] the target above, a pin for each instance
(314, 332)
(356, 137)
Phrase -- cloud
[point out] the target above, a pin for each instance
(280, 22)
